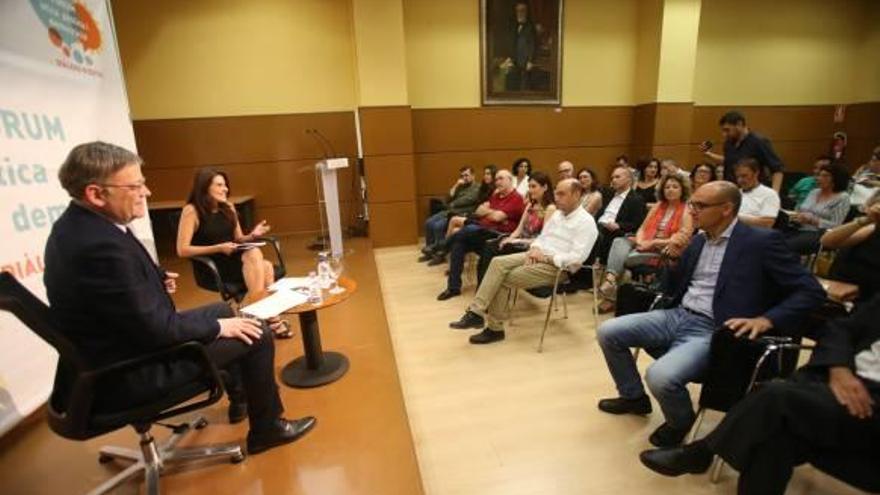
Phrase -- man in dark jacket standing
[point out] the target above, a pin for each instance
(825, 414)
(112, 302)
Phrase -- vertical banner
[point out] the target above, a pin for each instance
(60, 85)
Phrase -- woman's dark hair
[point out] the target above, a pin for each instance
(202, 201)
(543, 180)
(708, 167)
(594, 184)
(643, 163)
(486, 189)
(839, 176)
(517, 162)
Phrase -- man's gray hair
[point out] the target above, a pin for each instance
(93, 163)
(630, 172)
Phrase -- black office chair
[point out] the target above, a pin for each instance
(207, 276)
(71, 405)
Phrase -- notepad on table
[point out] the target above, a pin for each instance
(275, 304)
(290, 283)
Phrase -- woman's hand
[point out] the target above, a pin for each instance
(260, 230)
(227, 248)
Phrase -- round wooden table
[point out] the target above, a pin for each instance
(316, 367)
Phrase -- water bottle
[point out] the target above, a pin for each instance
(324, 277)
(315, 296)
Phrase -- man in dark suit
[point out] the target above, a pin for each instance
(825, 414)
(622, 211)
(732, 275)
(112, 301)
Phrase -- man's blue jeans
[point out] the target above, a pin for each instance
(435, 228)
(678, 339)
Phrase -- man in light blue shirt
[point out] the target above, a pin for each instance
(732, 275)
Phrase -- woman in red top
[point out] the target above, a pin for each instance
(667, 222)
(539, 208)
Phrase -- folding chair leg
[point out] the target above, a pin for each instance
(715, 469)
(697, 423)
(511, 303)
(564, 306)
(546, 323)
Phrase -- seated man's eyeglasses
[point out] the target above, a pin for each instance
(699, 205)
(137, 186)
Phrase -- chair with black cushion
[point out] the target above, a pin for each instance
(207, 276)
(71, 406)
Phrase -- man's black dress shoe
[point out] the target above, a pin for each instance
(487, 336)
(427, 250)
(446, 294)
(675, 461)
(281, 432)
(425, 257)
(237, 412)
(619, 405)
(667, 436)
(469, 320)
(437, 259)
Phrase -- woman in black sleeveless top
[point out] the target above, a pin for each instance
(858, 262)
(209, 227)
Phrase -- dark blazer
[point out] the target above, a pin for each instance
(108, 296)
(631, 214)
(759, 276)
(841, 340)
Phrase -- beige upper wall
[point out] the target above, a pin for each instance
(380, 52)
(784, 52)
(867, 68)
(197, 58)
(443, 52)
(678, 50)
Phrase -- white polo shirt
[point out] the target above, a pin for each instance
(761, 201)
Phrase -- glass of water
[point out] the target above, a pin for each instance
(336, 268)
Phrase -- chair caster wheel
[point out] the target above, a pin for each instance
(237, 458)
(201, 423)
(104, 459)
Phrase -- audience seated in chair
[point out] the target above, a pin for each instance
(538, 208)
(649, 177)
(702, 174)
(825, 414)
(668, 166)
(622, 213)
(858, 261)
(799, 191)
(730, 275)
(456, 222)
(760, 204)
(565, 170)
(866, 180)
(592, 198)
(667, 228)
(110, 299)
(522, 170)
(824, 207)
(462, 199)
(566, 240)
(209, 227)
(499, 215)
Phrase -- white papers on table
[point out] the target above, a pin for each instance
(289, 283)
(275, 304)
(244, 246)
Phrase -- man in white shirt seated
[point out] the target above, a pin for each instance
(565, 242)
(760, 204)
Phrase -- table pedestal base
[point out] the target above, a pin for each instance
(316, 367)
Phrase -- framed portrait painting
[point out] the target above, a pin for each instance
(521, 52)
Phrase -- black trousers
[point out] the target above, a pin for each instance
(249, 375)
(787, 423)
(803, 241)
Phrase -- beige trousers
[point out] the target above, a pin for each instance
(508, 273)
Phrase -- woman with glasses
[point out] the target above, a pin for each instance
(666, 222)
(703, 173)
(209, 227)
(824, 208)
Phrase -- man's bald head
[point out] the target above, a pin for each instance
(727, 192)
(504, 181)
(565, 169)
(568, 194)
